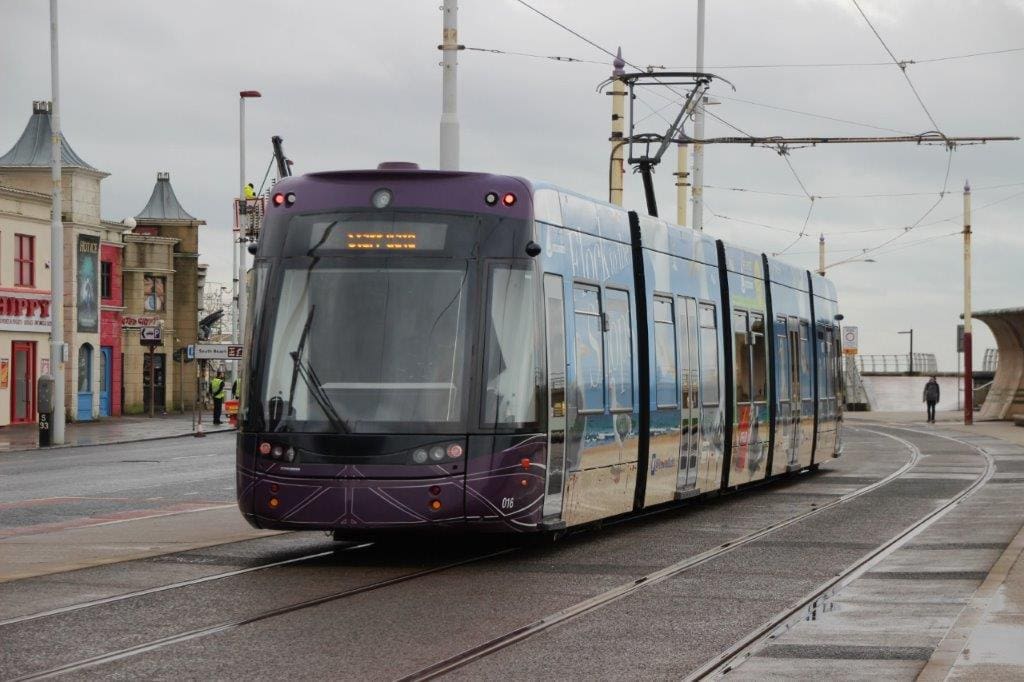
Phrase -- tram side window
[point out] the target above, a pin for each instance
(741, 349)
(689, 358)
(823, 371)
(759, 360)
(782, 359)
(620, 350)
(666, 381)
(589, 348)
(805, 361)
(708, 355)
(510, 361)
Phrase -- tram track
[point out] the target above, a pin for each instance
(520, 634)
(729, 660)
(450, 663)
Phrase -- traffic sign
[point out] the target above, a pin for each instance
(190, 351)
(850, 335)
(218, 351)
(149, 333)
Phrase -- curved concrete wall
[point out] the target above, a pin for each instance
(1006, 397)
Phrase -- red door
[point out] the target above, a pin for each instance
(23, 382)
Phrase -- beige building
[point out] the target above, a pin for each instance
(25, 319)
(161, 288)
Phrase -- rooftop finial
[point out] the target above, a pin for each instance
(618, 63)
(163, 176)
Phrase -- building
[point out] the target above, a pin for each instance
(161, 277)
(25, 319)
(89, 244)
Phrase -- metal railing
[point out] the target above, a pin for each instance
(991, 360)
(924, 363)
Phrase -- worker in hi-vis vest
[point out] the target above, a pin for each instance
(217, 393)
(250, 191)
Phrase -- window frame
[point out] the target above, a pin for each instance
(703, 306)
(106, 280)
(585, 285)
(606, 328)
(20, 262)
(671, 322)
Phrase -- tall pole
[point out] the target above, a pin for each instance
(237, 333)
(618, 94)
(968, 350)
(821, 255)
(56, 243)
(449, 87)
(697, 189)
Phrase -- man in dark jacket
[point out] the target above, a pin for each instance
(931, 397)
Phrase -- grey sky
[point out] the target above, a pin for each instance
(152, 86)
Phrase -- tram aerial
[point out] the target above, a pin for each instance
(447, 350)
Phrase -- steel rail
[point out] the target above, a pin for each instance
(173, 586)
(197, 633)
(737, 654)
(603, 599)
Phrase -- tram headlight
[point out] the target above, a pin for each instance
(420, 456)
(265, 448)
(277, 452)
(455, 451)
(289, 454)
(381, 198)
(437, 453)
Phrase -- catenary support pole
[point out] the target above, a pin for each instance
(56, 243)
(449, 86)
(968, 348)
(697, 189)
(238, 332)
(618, 94)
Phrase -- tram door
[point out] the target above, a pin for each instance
(554, 335)
(686, 312)
(787, 336)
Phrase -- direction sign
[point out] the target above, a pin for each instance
(149, 333)
(190, 351)
(218, 351)
(850, 340)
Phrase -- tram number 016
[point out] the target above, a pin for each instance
(508, 502)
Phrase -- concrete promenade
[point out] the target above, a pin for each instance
(108, 431)
(986, 641)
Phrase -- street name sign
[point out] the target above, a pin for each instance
(218, 351)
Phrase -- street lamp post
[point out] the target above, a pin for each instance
(240, 245)
(910, 370)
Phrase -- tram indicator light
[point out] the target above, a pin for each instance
(491, 198)
(435, 505)
(508, 199)
(265, 448)
(455, 450)
(278, 199)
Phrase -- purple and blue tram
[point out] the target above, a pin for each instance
(436, 350)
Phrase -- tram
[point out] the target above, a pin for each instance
(450, 350)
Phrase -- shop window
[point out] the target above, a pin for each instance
(85, 368)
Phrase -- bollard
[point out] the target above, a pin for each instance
(44, 393)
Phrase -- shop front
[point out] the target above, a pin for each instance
(24, 353)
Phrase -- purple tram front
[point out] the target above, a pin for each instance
(392, 375)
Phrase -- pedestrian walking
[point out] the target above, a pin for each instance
(931, 397)
(217, 393)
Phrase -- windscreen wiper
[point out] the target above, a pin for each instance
(316, 389)
(304, 370)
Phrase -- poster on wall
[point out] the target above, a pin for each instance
(154, 289)
(5, 372)
(88, 281)
(44, 366)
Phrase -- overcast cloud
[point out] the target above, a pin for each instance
(153, 86)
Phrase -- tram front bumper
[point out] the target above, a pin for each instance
(291, 503)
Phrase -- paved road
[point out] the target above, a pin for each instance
(46, 491)
(388, 610)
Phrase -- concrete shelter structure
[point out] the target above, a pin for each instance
(1006, 397)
